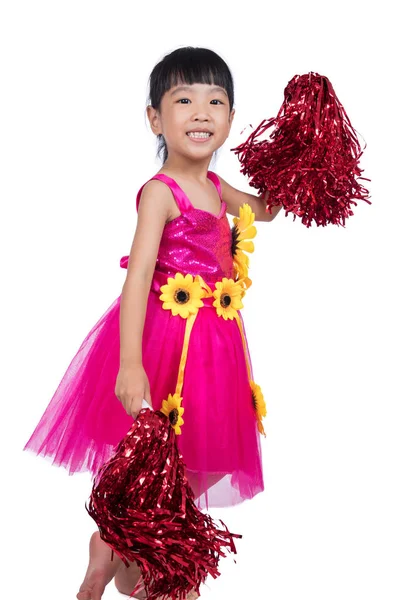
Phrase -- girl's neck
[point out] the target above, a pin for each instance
(189, 171)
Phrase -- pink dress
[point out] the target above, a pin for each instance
(219, 440)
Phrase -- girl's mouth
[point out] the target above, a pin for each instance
(199, 137)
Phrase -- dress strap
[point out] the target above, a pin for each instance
(215, 179)
(181, 199)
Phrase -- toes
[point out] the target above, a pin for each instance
(94, 594)
(84, 595)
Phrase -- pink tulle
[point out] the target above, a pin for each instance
(85, 420)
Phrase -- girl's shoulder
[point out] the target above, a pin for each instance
(152, 187)
(155, 195)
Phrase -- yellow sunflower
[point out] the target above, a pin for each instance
(259, 405)
(241, 264)
(228, 297)
(173, 410)
(243, 230)
(182, 295)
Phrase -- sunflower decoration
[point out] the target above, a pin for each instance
(228, 297)
(182, 295)
(243, 231)
(259, 405)
(172, 409)
(240, 262)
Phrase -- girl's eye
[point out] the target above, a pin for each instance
(215, 100)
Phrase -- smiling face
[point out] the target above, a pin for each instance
(185, 108)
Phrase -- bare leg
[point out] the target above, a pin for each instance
(127, 577)
(100, 570)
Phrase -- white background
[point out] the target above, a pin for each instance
(321, 317)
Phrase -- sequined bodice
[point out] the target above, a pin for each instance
(196, 242)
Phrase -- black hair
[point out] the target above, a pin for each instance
(187, 65)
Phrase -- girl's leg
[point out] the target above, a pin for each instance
(100, 570)
(127, 577)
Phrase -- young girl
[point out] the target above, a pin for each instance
(175, 334)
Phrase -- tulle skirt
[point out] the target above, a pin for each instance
(219, 443)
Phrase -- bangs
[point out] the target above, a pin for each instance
(188, 66)
(200, 73)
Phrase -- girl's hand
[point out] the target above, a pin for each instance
(132, 386)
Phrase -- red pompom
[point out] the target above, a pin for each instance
(310, 165)
(144, 508)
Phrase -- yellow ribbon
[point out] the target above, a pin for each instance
(204, 285)
(188, 330)
(246, 355)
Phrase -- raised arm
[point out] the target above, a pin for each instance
(234, 198)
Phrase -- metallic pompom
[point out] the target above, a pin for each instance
(310, 164)
(144, 508)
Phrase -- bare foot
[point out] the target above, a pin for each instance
(126, 579)
(100, 570)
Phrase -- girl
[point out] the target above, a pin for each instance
(175, 333)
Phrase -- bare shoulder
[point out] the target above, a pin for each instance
(155, 199)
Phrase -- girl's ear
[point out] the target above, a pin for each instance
(152, 115)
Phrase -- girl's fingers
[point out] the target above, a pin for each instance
(134, 414)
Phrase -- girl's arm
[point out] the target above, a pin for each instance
(154, 210)
(234, 198)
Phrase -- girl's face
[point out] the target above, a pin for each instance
(186, 108)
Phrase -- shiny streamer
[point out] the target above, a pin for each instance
(144, 508)
(310, 164)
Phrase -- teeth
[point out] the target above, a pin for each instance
(199, 134)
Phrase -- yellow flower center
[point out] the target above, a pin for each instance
(173, 416)
(254, 401)
(181, 296)
(225, 300)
